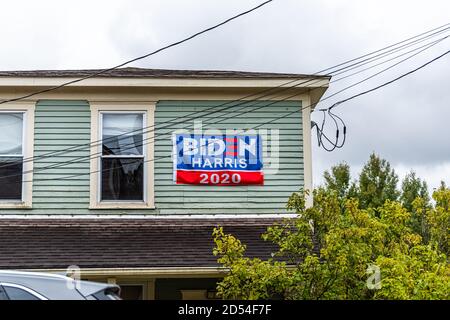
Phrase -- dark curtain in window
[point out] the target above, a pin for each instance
(10, 178)
(122, 179)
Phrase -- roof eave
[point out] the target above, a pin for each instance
(312, 82)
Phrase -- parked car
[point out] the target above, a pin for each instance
(19, 285)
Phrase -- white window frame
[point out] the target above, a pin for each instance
(97, 111)
(143, 156)
(27, 109)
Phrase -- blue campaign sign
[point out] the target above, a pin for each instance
(238, 156)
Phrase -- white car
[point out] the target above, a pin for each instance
(19, 285)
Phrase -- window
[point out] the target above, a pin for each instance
(11, 155)
(3, 295)
(122, 163)
(15, 293)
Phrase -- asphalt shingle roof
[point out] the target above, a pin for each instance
(130, 72)
(113, 243)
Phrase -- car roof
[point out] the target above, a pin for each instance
(53, 286)
(37, 275)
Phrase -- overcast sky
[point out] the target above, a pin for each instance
(406, 123)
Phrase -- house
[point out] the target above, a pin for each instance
(125, 173)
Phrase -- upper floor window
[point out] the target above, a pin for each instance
(11, 155)
(123, 157)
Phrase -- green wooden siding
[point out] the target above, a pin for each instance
(60, 125)
(268, 199)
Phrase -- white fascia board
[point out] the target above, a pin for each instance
(148, 272)
(165, 82)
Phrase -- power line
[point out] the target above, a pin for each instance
(388, 60)
(389, 82)
(434, 33)
(195, 115)
(423, 48)
(333, 116)
(381, 54)
(283, 116)
(335, 145)
(321, 134)
(138, 58)
(320, 131)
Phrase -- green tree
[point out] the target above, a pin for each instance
(438, 219)
(338, 179)
(377, 183)
(412, 189)
(325, 252)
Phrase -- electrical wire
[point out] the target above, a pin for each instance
(388, 60)
(320, 131)
(389, 82)
(78, 147)
(322, 99)
(426, 47)
(103, 71)
(275, 119)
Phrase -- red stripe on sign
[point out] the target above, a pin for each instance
(231, 153)
(222, 178)
(231, 139)
(232, 146)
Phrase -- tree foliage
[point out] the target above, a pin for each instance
(327, 252)
(377, 183)
(413, 187)
(338, 179)
(414, 197)
(437, 218)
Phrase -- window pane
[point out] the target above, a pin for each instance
(11, 133)
(128, 128)
(122, 179)
(3, 294)
(11, 178)
(18, 294)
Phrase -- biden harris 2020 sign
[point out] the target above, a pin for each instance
(221, 160)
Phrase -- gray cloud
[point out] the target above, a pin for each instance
(407, 123)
